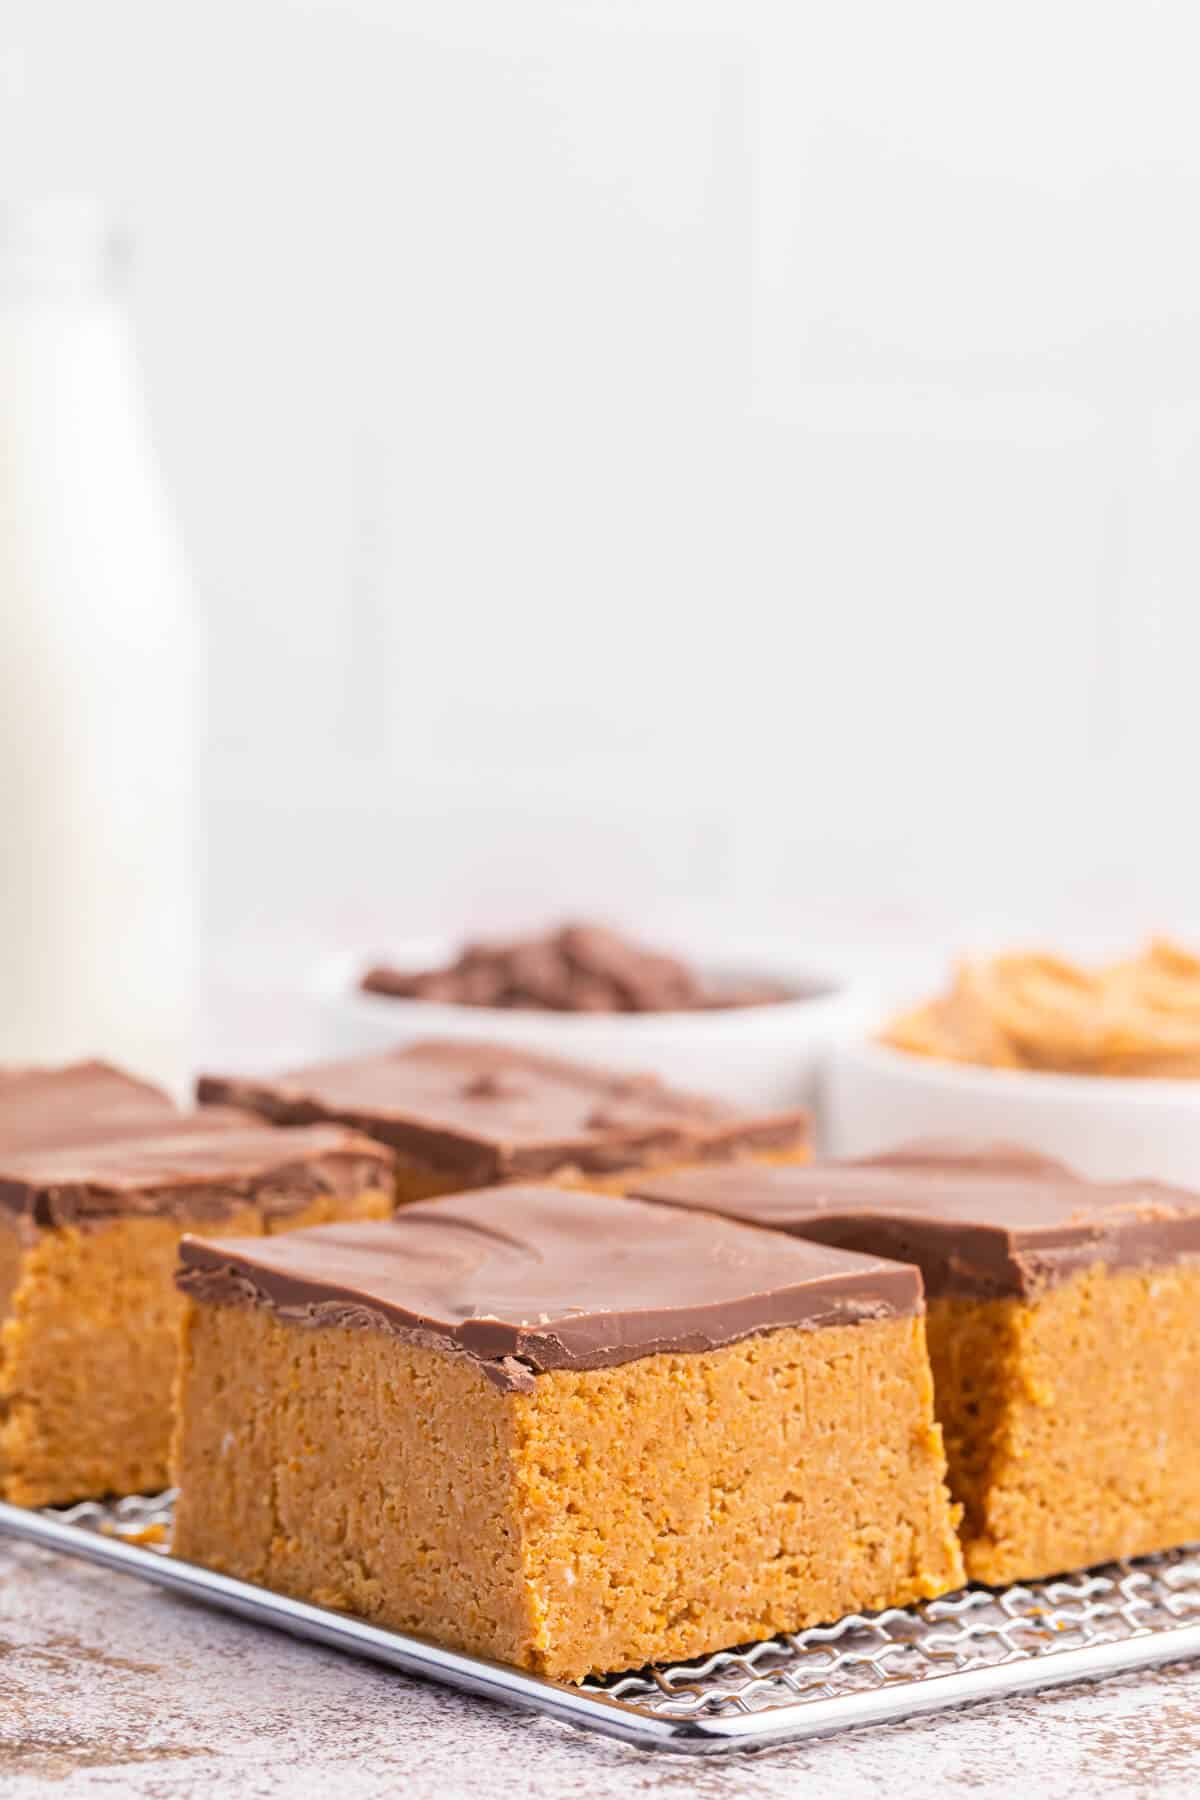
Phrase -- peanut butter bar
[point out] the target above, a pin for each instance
(77, 1103)
(460, 1115)
(89, 1233)
(575, 1434)
(1064, 1332)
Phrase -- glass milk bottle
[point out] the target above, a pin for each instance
(97, 674)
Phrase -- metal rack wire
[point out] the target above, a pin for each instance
(978, 1644)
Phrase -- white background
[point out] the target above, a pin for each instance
(667, 458)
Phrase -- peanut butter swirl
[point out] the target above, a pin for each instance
(1137, 1017)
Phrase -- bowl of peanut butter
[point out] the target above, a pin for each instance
(1093, 1060)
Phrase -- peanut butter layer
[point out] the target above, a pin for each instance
(1070, 1421)
(89, 1235)
(602, 1436)
(982, 1222)
(1064, 1333)
(562, 1279)
(461, 1114)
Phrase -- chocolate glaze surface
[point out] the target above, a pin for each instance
(78, 1103)
(556, 1279)
(947, 1154)
(487, 1113)
(978, 1221)
(197, 1167)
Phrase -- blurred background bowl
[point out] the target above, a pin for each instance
(758, 1056)
(1111, 1128)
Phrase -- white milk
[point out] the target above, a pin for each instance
(97, 671)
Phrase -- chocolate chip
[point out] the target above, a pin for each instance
(578, 968)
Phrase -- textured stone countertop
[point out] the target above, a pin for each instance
(108, 1687)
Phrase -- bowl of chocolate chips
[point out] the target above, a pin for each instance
(746, 1025)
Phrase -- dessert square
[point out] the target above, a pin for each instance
(89, 1234)
(459, 1114)
(579, 1434)
(78, 1103)
(1064, 1333)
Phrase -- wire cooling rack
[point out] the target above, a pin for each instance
(976, 1645)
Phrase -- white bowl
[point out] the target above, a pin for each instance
(757, 1056)
(1107, 1127)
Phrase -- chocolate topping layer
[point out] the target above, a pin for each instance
(555, 1280)
(488, 1113)
(79, 1103)
(946, 1154)
(578, 968)
(978, 1221)
(199, 1169)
